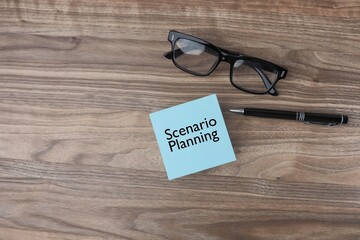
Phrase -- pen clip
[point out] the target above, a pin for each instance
(320, 123)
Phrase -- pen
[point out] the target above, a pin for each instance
(315, 118)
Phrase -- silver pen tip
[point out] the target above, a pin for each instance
(240, 110)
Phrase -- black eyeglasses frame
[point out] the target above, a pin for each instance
(227, 56)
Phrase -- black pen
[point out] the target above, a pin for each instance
(315, 118)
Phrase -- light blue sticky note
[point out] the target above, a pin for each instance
(192, 137)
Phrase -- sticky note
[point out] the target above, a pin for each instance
(192, 137)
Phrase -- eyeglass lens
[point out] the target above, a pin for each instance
(195, 57)
(252, 76)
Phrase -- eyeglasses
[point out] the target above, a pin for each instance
(199, 57)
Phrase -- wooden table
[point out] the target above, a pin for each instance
(78, 156)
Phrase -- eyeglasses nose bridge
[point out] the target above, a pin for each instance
(229, 58)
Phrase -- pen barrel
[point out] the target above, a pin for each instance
(267, 113)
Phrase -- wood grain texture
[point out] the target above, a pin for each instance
(78, 157)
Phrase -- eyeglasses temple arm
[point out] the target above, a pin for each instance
(267, 83)
(179, 52)
(168, 55)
